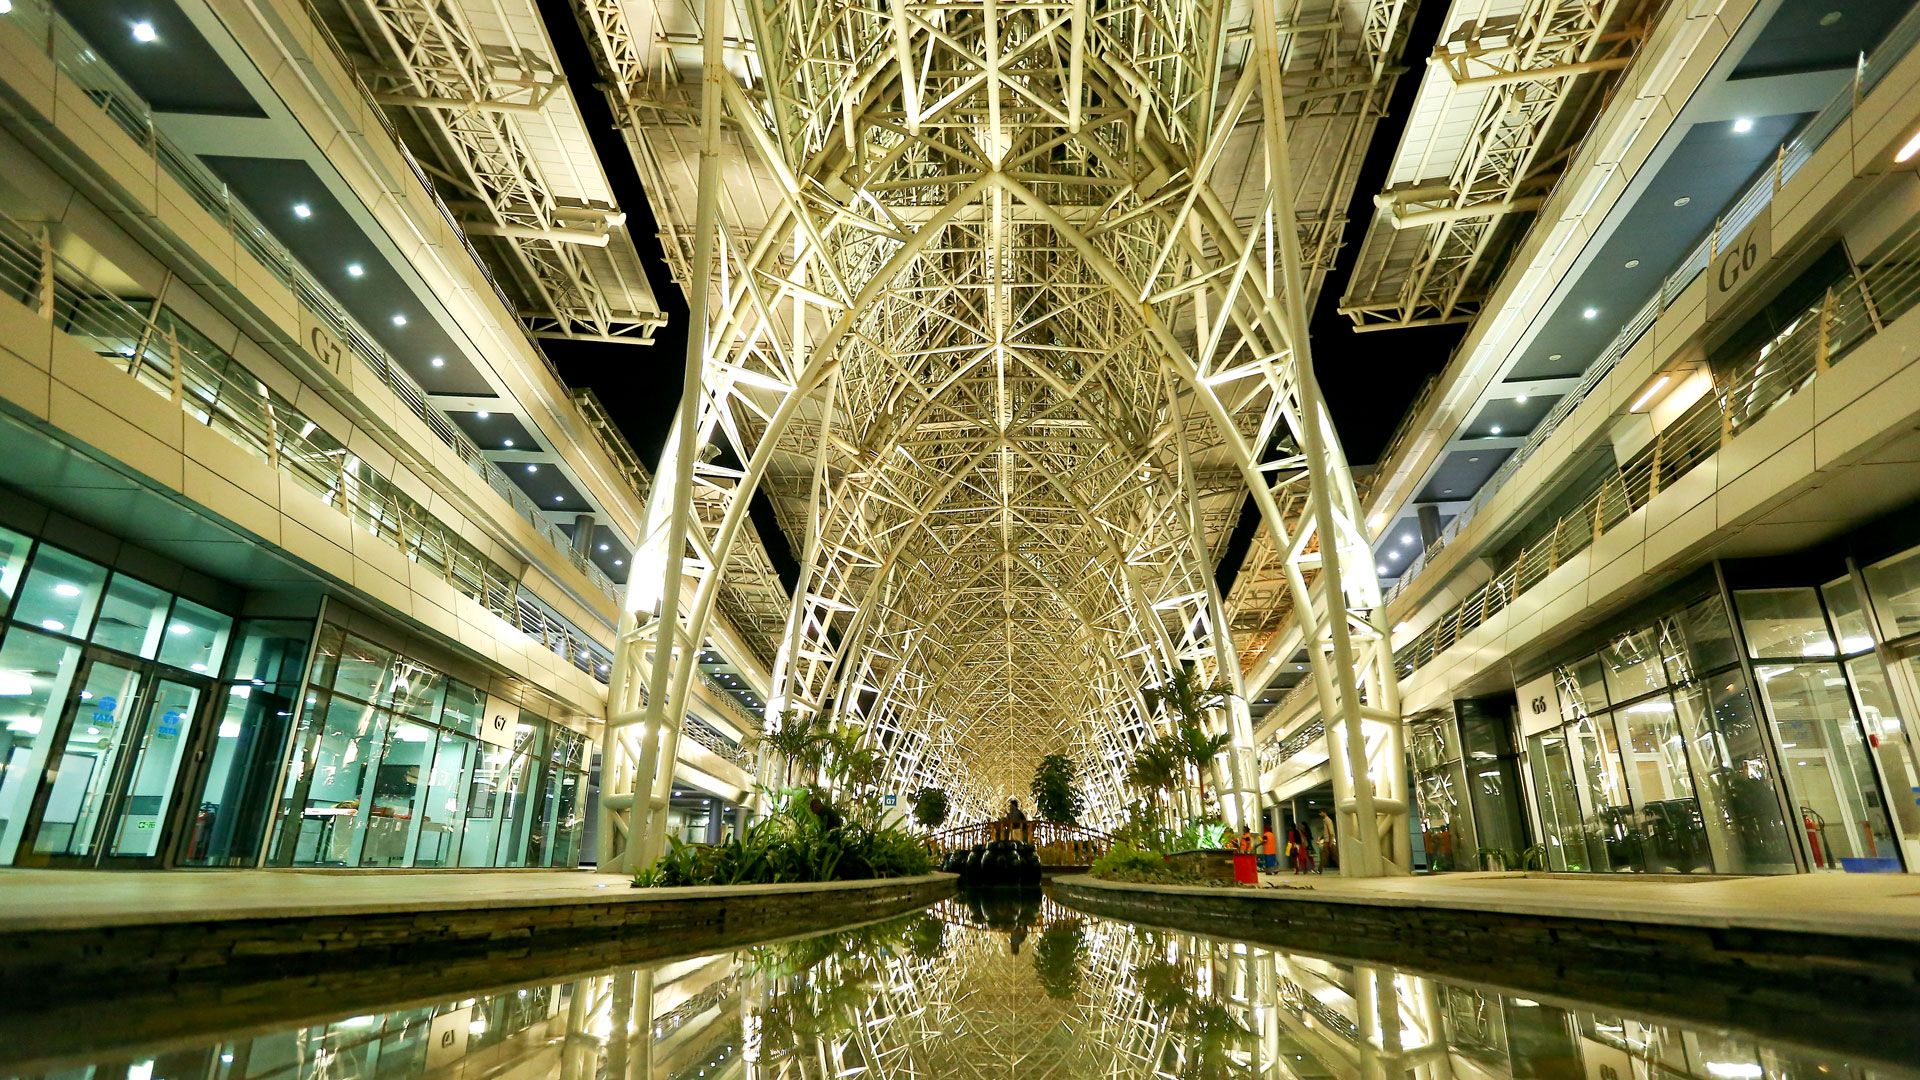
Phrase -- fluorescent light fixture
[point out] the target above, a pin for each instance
(301, 210)
(1648, 396)
(399, 320)
(356, 270)
(66, 588)
(179, 628)
(15, 684)
(1742, 125)
(1912, 147)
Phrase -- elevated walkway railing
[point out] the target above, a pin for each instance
(147, 343)
(1847, 314)
(72, 55)
(1738, 214)
(1058, 843)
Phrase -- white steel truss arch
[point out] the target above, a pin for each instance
(997, 322)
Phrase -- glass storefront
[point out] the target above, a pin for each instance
(109, 684)
(389, 768)
(1440, 788)
(1658, 763)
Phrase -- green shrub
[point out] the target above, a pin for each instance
(1126, 858)
(793, 844)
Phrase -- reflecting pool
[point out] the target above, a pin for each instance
(1017, 988)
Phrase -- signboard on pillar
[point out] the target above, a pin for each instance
(1539, 705)
(1735, 261)
(498, 723)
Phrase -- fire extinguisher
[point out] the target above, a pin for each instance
(1816, 832)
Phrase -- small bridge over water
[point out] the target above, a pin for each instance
(1061, 846)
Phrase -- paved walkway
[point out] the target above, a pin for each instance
(71, 899)
(1878, 905)
(1886, 905)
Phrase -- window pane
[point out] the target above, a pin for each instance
(1832, 781)
(1673, 836)
(415, 690)
(60, 592)
(327, 783)
(1611, 840)
(13, 559)
(1733, 777)
(397, 789)
(1582, 688)
(272, 650)
(362, 670)
(1633, 665)
(463, 708)
(443, 814)
(1894, 585)
(132, 617)
(35, 673)
(196, 638)
(1887, 736)
(1783, 623)
(1553, 781)
(1849, 621)
(1699, 640)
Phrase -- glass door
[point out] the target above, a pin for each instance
(99, 725)
(121, 743)
(138, 815)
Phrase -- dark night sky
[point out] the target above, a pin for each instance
(1369, 379)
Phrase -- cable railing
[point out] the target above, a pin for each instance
(726, 749)
(73, 56)
(146, 341)
(1847, 314)
(1738, 215)
(750, 720)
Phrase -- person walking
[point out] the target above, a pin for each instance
(1329, 843)
(1297, 848)
(1269, 858)
(1246, 841)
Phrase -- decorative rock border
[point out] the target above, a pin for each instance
(219, 975)
(1827, 992)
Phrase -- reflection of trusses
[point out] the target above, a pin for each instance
(1005, 302)
(1507, 96)
(474, 91)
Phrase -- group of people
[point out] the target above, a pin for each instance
(1300, 852)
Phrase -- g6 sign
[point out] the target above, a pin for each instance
(1739, 259)
(1735, 263)
(1538, 705)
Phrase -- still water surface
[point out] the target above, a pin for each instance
(1020, 989)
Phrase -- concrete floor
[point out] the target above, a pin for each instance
(1883, 905)
(1877, 905)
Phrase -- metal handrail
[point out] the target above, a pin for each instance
(72, 55)
(167, 356)
(1847, 314)
(1738, 214)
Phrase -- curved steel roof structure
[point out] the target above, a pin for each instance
(1004, 305)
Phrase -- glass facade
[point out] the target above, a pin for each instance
(388, 769)
(1440, 786)
(108, 684)
(1659, 764)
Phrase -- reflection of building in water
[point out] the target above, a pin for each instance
(940, 995)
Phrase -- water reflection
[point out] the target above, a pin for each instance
(1015, 988)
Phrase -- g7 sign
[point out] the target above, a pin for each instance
(498, 723)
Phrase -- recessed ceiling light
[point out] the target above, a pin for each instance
(1495, 429)
(1555, 356)
(300, 209)
(559, 498)
(1742, 125)
(53, 624)
(619, 562)
(1473, 457)
(438, 361)
(533, 468)
(1683, 200)
(603, 547)
(1446, 491)
(1590, 313)
(1631, 263)
(143, 30)
(483, 414)
(399, 320)
(66, 589)
(1407, 539)
(507, 443)
(356, 270)
(1519, 399)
